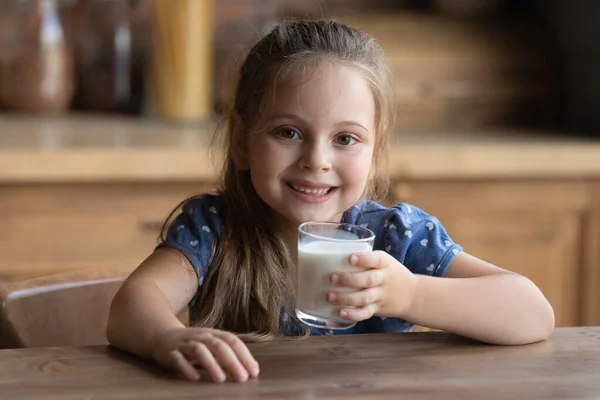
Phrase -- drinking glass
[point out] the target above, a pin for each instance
(325, 248)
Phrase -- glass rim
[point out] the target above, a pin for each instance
(330, 239)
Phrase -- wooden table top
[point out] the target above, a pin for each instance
(396, 366)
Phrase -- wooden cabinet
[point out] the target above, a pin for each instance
(56, 228)
(590, 280)
(546, 230)
(534, 228)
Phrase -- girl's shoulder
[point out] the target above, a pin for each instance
(412, 236)
(202, 213)
(376, 214)
(203, 203)
(194, 230)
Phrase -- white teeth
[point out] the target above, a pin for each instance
(319, 192)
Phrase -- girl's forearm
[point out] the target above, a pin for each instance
(139, 314)
(501, 309)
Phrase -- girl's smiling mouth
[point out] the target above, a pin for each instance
(311, 192)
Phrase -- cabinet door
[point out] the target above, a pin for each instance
(591, 272)
(54, 228)
(532, 228)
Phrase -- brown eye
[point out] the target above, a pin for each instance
(345, 140)
(288, 133)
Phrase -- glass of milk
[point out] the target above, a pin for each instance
(325, 248)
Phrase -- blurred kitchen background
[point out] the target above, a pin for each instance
(458, 63)
(107, 108)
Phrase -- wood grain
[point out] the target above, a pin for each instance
(453, 72)
(591, 265)
(533, 228)
(390, 366)
(54, 228)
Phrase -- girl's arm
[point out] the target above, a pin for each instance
(479, 300)
(475, 299)
(147, 304)
(143, 321)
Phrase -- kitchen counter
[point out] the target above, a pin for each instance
(87, 148)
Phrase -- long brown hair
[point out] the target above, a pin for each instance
(248, 284)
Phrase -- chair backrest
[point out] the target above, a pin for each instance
(67, 309)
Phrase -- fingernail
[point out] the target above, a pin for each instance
(331, 297)
(254, 372)
(335, 278)
(353, 260)
(343, 313)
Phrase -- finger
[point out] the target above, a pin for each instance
(358, 314)
(371, 259)
(359, 280)
(241, 350)
(182, 366)
(227, 358)
(198, 352)
(359, 298)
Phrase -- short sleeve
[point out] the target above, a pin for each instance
(193, 233)
(417, 240)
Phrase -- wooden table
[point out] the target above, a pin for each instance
(395, 366)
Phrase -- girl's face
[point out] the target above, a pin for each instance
(310, 160)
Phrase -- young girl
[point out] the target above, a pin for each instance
(305, 142)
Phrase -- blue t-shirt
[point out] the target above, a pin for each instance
(410, 235)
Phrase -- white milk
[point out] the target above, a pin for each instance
(316, 262)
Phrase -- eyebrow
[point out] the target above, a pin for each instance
(297, 118)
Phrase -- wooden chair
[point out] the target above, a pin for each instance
(66, 309)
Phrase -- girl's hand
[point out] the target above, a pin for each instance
(218, 352)
(386, 288)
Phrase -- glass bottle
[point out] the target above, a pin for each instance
(110, 64)
(37, 64)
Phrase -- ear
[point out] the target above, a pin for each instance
(237, 143)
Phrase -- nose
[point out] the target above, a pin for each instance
(316, 156)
